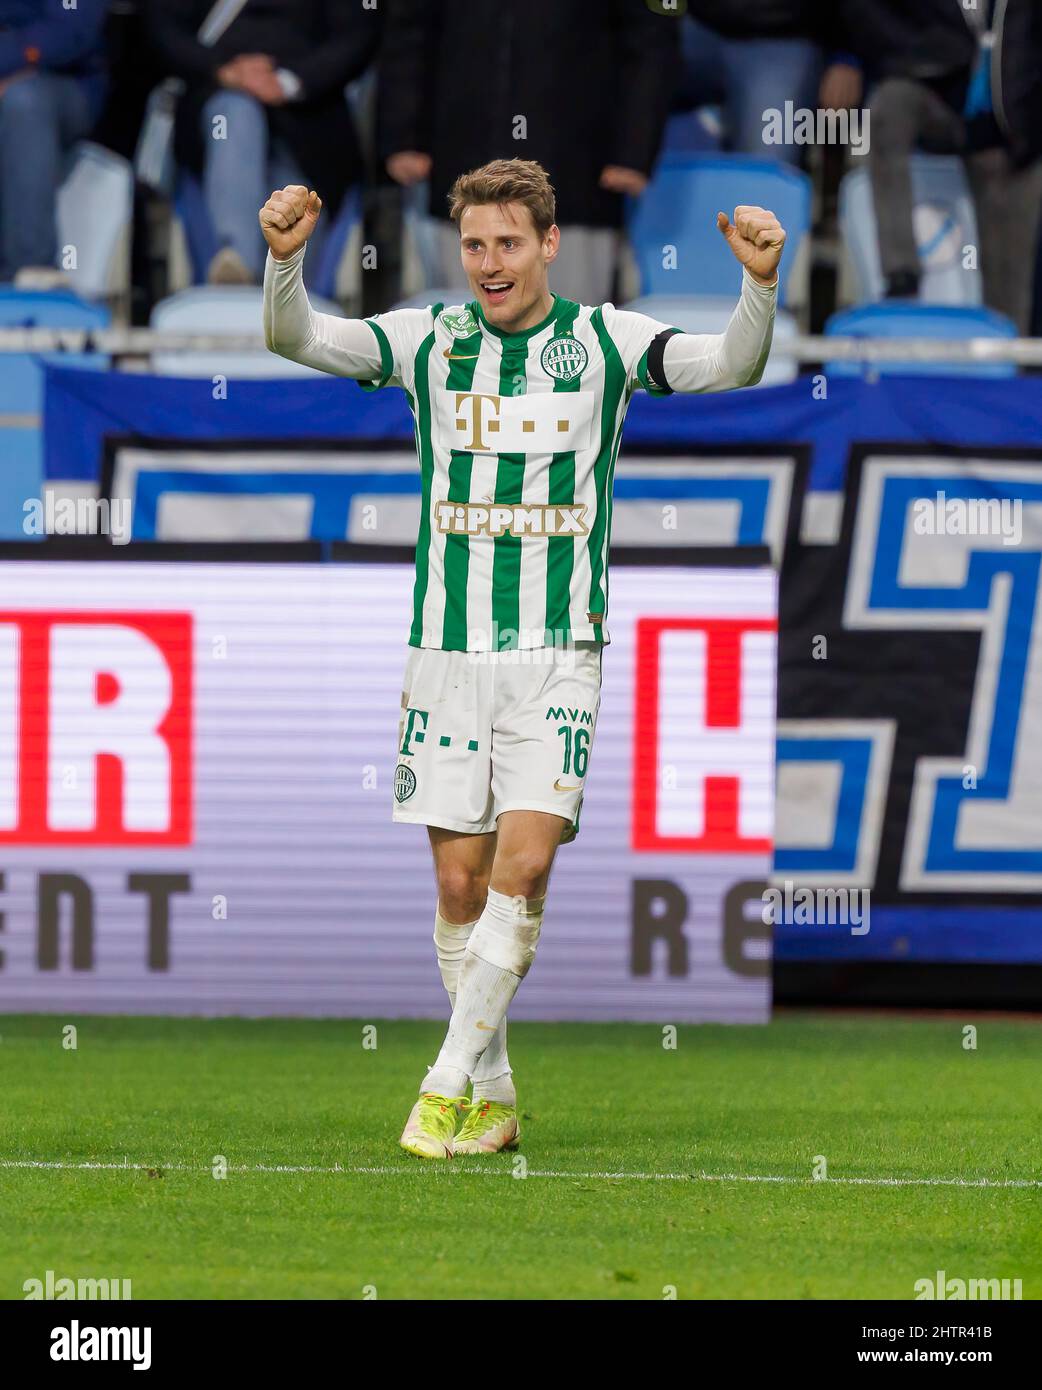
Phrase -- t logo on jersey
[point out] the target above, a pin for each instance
(540, 423)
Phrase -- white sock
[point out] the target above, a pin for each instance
(492, 1077)
(498, 956)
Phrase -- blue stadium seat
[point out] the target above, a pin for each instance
(907, 319)
(711, 314)
(944, 222)
(693, 132)
(679, 209)
(223, 309)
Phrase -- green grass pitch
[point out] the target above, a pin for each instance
(634, 1154)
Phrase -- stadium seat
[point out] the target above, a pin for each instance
(693, 132)
(711, 314)
(95, 216)
(904, 319)
(944, 221)
(421, 265)
(679, 207)
(223, 309)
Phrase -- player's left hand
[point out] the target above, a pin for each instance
(756, 238)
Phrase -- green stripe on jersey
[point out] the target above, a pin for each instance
(510, 482)
(386, 359)
(457, 548)
(425, 452)
(614, 388)
(560, 550)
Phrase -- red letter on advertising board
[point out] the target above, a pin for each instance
(704, 735)
(95, 728)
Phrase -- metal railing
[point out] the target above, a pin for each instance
(123, 343)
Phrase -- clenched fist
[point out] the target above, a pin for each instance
(756, 238)
(288, 218)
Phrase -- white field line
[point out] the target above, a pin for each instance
(498, 1171)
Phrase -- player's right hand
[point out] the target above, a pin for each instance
(288, 218)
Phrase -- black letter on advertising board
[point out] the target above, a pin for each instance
(739, 930)
(666, 925)
(50, 891)
(159, 888)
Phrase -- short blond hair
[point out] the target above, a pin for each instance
(507, 181)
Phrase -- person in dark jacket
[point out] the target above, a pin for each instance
(265, 106)
(749, 57)
(949, 78)
(582, 86)
(52, 84)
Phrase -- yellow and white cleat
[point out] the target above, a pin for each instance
(489, 1127)
(431, 1125)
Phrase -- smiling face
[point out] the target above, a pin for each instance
(506, 262)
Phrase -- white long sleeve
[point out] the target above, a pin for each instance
(292, 328)
(736, 357)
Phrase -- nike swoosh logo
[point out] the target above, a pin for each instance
(460, 356)
(485, 1028)
(559, 788)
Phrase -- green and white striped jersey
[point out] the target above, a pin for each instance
(517, 436)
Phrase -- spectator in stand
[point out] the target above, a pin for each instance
(582, 86)
(967, 80)
(52, 85)
(752, 56)
(277, 77)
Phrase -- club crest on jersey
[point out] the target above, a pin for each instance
(404, 782)
(461, 325)
(564, 358)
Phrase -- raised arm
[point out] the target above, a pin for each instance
(722, 361)
(736, 357)
(292, 328)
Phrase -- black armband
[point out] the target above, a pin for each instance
(656, 366)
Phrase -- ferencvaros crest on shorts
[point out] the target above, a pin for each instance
(564, 358)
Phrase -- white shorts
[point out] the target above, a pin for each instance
(482, 733)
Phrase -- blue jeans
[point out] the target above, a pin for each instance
(747, 77)
(41, 117)
(240, 172)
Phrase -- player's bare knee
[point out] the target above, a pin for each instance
(524, 874)
(461, 893)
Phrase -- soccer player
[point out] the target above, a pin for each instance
(518, 399)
